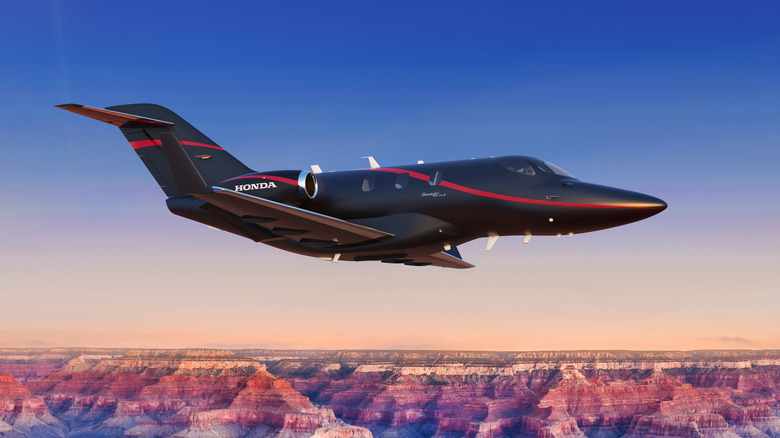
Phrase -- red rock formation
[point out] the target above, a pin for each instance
(268, 405)
(181, 393)
(22, 414)
(27, 364)
(602, 400)
(404, 394)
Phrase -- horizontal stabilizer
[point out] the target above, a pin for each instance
(113, 117)
(291, 221)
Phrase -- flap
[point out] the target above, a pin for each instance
(442, 259)
(446, 260)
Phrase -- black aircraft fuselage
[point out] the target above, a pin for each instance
(410, 214)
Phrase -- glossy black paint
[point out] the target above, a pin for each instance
(464, 216)
(414, 214)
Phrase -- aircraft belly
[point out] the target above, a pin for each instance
(413, 234)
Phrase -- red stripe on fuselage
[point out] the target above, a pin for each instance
(146, 143)
(268, 177)
(492, 195)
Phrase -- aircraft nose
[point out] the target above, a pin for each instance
(640, 200)
(657, 204)
(619, 198)
(631, 206)
(612, 207)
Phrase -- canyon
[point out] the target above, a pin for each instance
(63, 392)
(155, 393)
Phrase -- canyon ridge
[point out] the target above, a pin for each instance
(83, 392)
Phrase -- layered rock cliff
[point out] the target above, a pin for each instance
(23, 414)
(594, 394)
(168, 393)
(394, 394)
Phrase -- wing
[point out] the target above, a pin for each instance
(445, 259)
(439, 259)
(288, 221)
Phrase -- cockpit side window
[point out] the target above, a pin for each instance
(556, 170)
(518, 165)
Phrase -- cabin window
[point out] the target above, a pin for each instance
(435, 179)
(368, 184)
(401, 180)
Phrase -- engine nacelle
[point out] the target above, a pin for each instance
(286, 186)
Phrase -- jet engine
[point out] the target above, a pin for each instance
(286, 186)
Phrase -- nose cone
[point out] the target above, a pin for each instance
(611, 197)
(643, 205)
(627, 199)
(627, 206)
(655, 204)
(611, 207)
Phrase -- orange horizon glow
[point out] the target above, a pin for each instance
(569, 295)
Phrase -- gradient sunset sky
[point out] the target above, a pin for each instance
(677, 99)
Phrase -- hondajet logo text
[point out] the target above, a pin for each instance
(256, 186)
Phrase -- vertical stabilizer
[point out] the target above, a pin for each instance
(144, 126)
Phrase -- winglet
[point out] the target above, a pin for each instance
(453, 251)
(112, 117)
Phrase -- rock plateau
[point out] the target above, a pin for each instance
(389, 394)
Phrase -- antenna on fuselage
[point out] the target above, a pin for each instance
(492, 238)
(372, 162)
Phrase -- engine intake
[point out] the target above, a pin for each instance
(307, 185)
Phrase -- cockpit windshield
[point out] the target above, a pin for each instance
(531, 166)
(518, 165)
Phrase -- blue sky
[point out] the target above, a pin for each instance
(678, 99)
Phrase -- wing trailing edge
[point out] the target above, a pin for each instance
(287, 220)
(447, 260)
(444, 259)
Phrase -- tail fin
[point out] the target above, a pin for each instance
(144, 124)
